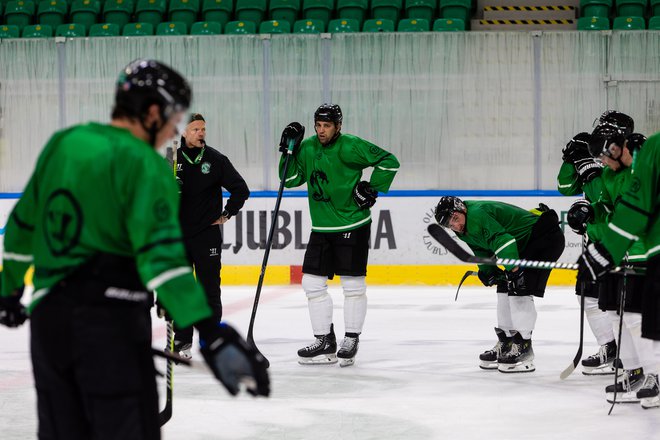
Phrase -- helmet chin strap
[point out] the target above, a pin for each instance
(152, 130)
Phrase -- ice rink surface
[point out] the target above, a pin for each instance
(416, 376)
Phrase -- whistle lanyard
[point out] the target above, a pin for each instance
(197, 160)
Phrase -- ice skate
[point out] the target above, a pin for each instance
(348, 350)
(519, 359)
(648, 394)
(321, 351)
(488, 359)
(601, 363)
(626, 389)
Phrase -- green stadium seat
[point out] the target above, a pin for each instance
(655, 8)
(206, 28)
(654, 23)
(318, 10)
(184, 11)
(629, 24)
(631, 8)
(37, 31)
(353, 9)
(150, 11)
(309, 26)
(241, 27)
(424, 9)
(378, 25)
(284, 10)
(595, 8)
(448, 25)
(387, 9)
(217, 10)
(52, 12)
(460, 9)
(342, 25)
(104, 30)
(137, 29)
(414, 25)
(84, 12)
(118, 12)
(250, 10)
(172, 28)
(593, 23)
(275, 27)
(19, 13)
(70, 30)
(9, 31)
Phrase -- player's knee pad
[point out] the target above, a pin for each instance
(354, 286)
(315, 286)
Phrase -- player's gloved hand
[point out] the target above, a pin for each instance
(588, 169)
(295, 132)
(161, 312)
(516, 281)
(579, 215)
(635, 141)
(232, 360)
(12, 312)
(594, 262)
(364, 195)
(577, 148)
(491, 278)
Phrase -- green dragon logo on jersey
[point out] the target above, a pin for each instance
(206, 168)
(317, 179)
(62, 222)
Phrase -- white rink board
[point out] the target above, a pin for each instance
(398, 233)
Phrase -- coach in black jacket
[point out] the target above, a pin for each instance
(202, 172)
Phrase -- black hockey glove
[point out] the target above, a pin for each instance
(232, 360)
(577, 148)
(225, 214)
(588, 169)
(635, 141)
(295, 132)
(516, 282)
(161, 312)
(364, 195)
(594, 262)
(579, 215)
(491, 278)
(12, 312)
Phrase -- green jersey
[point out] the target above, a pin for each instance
(331, 172)
(496, 229)
(99, 189)
(635, 217)
(570, 184)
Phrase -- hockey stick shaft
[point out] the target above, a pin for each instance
(166, 414)
(269, 242)
(467, 274)
(622, 301)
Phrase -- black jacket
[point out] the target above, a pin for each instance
(201, 188)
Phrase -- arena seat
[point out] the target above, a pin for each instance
(378, 25)
(206, 28)
(85, 12)
(342, 25)
(118, 12)
(413, 25)
(172, 28)
(309, 26)
(275, 27)
(137, 29)
(104, 30)
(71, 30)
(37, 31)
(241, 27)
(284, 10)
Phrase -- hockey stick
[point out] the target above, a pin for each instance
(465, 277)
(166, 414)
(618, 343)
(269, 242)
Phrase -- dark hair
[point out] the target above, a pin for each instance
(196, 117)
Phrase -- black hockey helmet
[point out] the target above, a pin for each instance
(446, 207)
(328, 113)
(146, 82)
(603, 137)
(621, 120)
(579, 214)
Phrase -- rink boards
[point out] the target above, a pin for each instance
(402, 252)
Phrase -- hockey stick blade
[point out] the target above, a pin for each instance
(441, 236)
(576, 360)
(467, 274)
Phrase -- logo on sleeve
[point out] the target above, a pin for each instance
(206, 168)
(161, 210)
(635, 184)
(62, 222)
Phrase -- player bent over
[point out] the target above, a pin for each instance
(331, 163)
(99, 222)
(496, 229)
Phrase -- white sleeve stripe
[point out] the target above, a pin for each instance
(164, 277)
(292, 177)
(623, 233)
(567, 185)
(513, 240)
(18, 257)
(387, 169)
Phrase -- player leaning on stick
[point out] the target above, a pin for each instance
(99, 222)
(506, 231)
(619, 151)
(331, 163)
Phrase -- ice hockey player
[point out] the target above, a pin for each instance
(497, 229)
(618, 152)
(99, 222)
(331, 163)
(580, 173)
